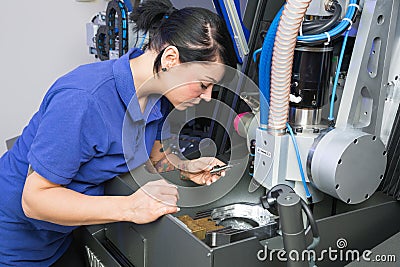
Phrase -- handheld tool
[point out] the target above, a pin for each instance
(218, 169)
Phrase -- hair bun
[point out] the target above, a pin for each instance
(150, 14)
(170, 11)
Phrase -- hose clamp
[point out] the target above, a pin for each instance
(329, 38)
(350, 21)
(356, 6)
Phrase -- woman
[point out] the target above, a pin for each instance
(51, 180)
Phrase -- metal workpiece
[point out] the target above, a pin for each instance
(291, 220)
(348, 164)
(254, 214)
(364, 91)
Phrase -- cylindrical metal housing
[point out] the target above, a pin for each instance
(310, 78)
(305, 116)
(291, 219)
(347, 164)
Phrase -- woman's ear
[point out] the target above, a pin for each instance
(170, 57)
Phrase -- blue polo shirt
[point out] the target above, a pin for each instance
(75, 139)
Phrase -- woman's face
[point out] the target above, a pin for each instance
(190, 83)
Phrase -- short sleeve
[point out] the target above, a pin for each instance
(71, 132)
(164, 128)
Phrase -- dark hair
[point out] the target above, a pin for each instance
(198, 33)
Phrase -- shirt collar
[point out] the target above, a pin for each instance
(127, 92)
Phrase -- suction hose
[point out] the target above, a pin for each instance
(282, 61)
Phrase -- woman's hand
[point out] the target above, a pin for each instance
(151, 201)
(47, 201)
(198, 170)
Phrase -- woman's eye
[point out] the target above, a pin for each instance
(203, 86)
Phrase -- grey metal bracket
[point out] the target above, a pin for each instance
(365, 89)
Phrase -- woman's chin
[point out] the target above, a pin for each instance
(184, 106)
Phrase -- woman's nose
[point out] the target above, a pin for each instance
(206, 96)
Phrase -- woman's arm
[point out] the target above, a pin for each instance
(47, 201)
(164, 160)
(198, 170)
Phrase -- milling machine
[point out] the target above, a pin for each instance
(308, 123)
